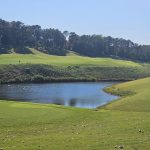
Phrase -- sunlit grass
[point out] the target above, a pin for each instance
(124, 123)
(139, 99)
(71, 59)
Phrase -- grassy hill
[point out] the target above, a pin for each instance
(40, 67)
(136, 96)
(123, 124)
(38, 57)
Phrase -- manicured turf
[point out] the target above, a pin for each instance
(139, 99)
(72, 59)
(124, 123)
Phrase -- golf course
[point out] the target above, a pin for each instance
(75, 75)
(41, 67)
(72, 58)
(121, 124)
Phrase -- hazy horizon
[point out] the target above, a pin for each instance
(120, 19)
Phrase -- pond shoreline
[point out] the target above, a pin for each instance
(67, 81)
(76, 94)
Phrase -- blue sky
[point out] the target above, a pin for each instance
(129, 19)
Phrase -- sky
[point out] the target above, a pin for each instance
(129, 19)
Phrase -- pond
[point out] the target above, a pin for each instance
(83, 95)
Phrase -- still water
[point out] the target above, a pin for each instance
(84, 95)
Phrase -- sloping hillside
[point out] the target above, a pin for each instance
(40, 67)
(135, 96)
(38, 57)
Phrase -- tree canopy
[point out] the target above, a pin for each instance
(17, 37)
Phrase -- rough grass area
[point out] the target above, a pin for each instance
(123, 124)
(49, 73)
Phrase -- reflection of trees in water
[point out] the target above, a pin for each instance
(59, 102)
(73, 102)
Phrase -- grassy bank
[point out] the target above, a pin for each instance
(48, 73)
(40, 67)
(135, 96)
(117, 125)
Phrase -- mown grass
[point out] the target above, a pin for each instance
(135, 96)
(72, 59)
(123, 123)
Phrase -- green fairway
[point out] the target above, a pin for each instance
(72, 59)
(138, 99)
(123, 123)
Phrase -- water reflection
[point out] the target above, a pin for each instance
(72, 102)
(86, 95)
(58, 101)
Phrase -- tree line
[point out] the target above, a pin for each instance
(15, 36)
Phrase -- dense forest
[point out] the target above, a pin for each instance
(17, 37)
